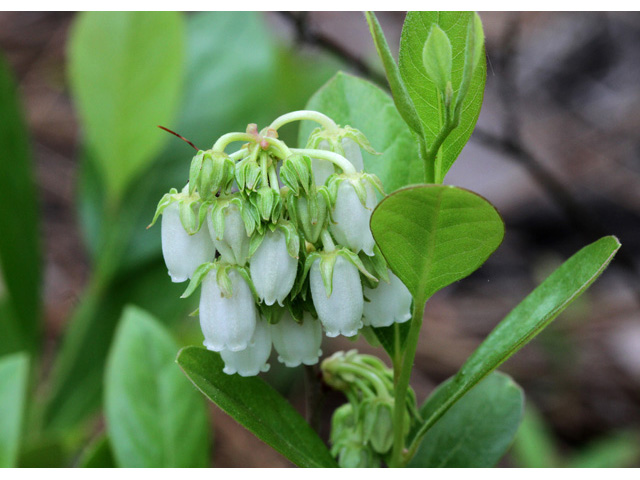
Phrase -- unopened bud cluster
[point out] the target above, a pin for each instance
(278, 239)
(362, 430)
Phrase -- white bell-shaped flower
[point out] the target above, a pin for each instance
(388, 303)
(273, 270)
(350, 225)
(227, 323)
(253, 359)
(183, 253)
(297, 343)
(233, 244)
(353, 153)
(323, 169)
(340, 312)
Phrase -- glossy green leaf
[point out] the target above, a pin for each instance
(477, 431)
(392, 338)
(14, 377)
(424, 92)
(434, 235)
(257, 406)
(126, 71)
(154, 416)
(356, 102)
(525, 321)
(20, 268)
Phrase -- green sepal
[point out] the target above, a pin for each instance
(377, 428)
(197, 278)
(248, 172)
(313, 218)
(437, 57)
(224, 281)
(248, 213)
(194, 171)
(292, 237)
(334, 138)
(376, 264)
(355, 260)
(296, 173)
(268, 203)
(255, 241)
(166, 200)
(190, 218)
(271, 313)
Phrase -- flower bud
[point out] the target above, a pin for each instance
(227, 322)
(253, 359)
(341, 311)
(233, 243)
(297, 343)
(273, 269)
(378, 425)
(268, 203)
(295, 173)
(183, 253)
(388, 303)
(211, 172)
(350, 225)
(310, 214)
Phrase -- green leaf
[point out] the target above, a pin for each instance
(387, 337)
(20, 269)
(98, 455)
(257, 406)
(423, 90)
(14, 377)
(154, 416)
(477, 431)
(436, 57)
(528, 319)
(126, 71)
(434, 235)
(356, 102)
(401, 97)
(534, 446)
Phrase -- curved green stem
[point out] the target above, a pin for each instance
(312, 115)
(402, 384)
(228, 138)
(337, 159)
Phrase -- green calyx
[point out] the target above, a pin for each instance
(296, 174)
(192, 210)
(359, 181)
(222, 278)
(335, 136)
(211, 173)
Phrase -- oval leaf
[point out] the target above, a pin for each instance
(125, 70)
(350, 100)
(14, 376)
(433, 235)
(257, 406)
(477, 431)
(154, 417)
(424, 92)
(528, 319)
(19, 241)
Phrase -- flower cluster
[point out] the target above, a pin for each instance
(362, 430)
(278, 238)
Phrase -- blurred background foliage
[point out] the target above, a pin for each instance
(83, 166)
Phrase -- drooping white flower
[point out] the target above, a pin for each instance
(340, 312)
(228, 323)
(233, 244)
(297, 343)
(388, 303)
(353, 153)
(323, 169)
(350, 225)
(253, 359)
(183, 253)
(273, 270)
